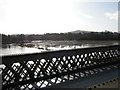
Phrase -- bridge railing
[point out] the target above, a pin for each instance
(48, 68)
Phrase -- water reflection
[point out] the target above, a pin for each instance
(41, 46)
(17, 50)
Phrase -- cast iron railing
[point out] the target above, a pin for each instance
(31, 71)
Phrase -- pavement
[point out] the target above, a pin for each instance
(114, 83)
(91, 80)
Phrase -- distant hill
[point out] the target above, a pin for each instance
(83, 31)
(80, 31)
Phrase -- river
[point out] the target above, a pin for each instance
(43, 46)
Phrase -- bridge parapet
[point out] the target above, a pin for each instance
(48, 68)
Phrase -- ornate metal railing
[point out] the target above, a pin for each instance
(31, 71)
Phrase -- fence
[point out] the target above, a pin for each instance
(38, 70)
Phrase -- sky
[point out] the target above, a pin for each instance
(57, 16)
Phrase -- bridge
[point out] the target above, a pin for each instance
(64, 68)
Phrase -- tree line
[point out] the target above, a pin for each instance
(21, 38)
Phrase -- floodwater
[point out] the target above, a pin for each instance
(43, 46)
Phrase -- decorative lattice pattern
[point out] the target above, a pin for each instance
(40, 70)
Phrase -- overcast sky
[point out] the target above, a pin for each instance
(55, 16)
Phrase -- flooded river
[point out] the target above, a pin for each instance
(42, 46)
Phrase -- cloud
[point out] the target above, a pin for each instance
(86, 15)
(112, 16)
(2, 10)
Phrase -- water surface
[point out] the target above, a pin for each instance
(42, 46)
